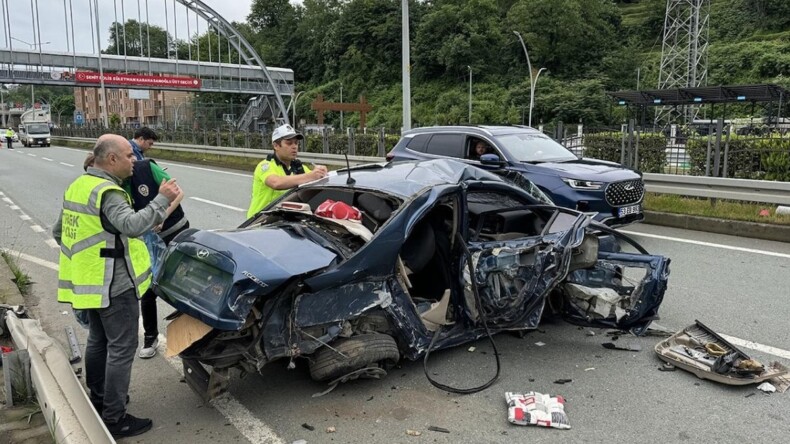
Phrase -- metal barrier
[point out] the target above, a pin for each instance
(697, 186)
(63, 402)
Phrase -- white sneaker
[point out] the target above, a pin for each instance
(149, 348)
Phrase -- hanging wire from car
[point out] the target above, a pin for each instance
(479, 305)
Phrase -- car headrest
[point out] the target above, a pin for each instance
(376, 207)
(419, 247)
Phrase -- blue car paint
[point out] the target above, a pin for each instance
(547, 175)
(301, 284)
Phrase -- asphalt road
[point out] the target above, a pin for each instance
(738, 286)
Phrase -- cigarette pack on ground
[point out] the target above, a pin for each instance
(537, 409)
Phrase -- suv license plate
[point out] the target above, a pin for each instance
(625, 211)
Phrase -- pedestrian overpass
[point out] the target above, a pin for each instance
(232, 65)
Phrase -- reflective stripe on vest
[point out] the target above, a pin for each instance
(88, 251)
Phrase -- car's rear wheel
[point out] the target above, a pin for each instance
(357, 352)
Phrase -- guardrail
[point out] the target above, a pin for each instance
(63, 402)
(697, 186)
(307, 157)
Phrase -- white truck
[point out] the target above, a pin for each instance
(34, 128)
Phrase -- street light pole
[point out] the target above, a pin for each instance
(532, 79)
(293, 103)
(405, 65)
(532, 94)
(470, 94)
(101, 67)
(341, 101)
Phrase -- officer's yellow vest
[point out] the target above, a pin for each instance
(87, 249)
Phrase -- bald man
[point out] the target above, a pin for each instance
(104, 269)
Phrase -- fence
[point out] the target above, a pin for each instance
(718, 152)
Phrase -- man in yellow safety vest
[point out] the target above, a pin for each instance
(104, 268)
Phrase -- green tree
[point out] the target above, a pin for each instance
(62, 107)
(569, 37)
(132, 34)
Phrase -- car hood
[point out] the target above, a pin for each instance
(216, 276)
(588, 169)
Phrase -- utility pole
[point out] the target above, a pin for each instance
(405, 65)
(101, 67)
(470, 94)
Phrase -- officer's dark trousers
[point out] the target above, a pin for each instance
(148, 300)
(112, 342)
(10, 142)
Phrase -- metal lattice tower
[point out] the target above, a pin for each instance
(684, 52)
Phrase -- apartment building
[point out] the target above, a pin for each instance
(159, 109)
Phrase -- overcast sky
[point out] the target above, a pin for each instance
(53, 24)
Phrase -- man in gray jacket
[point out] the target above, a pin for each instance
(113, 325)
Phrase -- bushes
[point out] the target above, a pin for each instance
(607, 146)
(766, 158)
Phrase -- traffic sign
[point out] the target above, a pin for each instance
(78, 118)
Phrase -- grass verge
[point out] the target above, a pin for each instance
(21, 279)
(716, 208)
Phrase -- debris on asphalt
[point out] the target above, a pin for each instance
(308, 427)
(537, 409)
(703, 352)
(589, 369)
(590, 333)
(563, 381)
(411, 432)
(299, 441)
(438, 429)
(331, 429)
(667, 367)
(540, 344)
(749, 395)
(370, 399)
(471, 349)
(782, 383)
(766, 387)
(630, 346)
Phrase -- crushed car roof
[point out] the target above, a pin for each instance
(409, 177)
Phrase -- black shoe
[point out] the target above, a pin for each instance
(129, 426)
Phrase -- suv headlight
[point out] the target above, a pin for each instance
(583, 184)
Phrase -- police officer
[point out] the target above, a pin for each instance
(281, 170)
(104, 269)
(143, 186)
(9, 138)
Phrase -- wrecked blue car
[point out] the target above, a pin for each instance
(442, 253)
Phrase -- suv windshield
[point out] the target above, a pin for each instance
(39, 128)
(535, 147)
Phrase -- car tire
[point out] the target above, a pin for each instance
(361, 352)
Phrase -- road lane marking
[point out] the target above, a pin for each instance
(14, 207)
(243, 420)
(52, 243)
(37, 228)
(66, 164)
(707, 244)
(33, 259)
(211, 202)
(7, 200)
(24, 217)
(757, 346)
(205, 169)
(47, 159)
(31, 155)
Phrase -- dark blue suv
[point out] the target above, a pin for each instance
(613, 192)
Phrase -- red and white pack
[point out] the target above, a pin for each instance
(537, 409)
(338, 210)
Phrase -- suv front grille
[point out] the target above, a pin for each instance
(627, 192)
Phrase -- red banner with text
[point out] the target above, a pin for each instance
(113, 79)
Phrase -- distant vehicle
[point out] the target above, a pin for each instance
(15, 138)
(34, 128)
(608, 189)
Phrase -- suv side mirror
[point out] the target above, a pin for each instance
(492, 160)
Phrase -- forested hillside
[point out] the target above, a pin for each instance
(587, 46)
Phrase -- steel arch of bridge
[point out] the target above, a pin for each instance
(240, 44)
